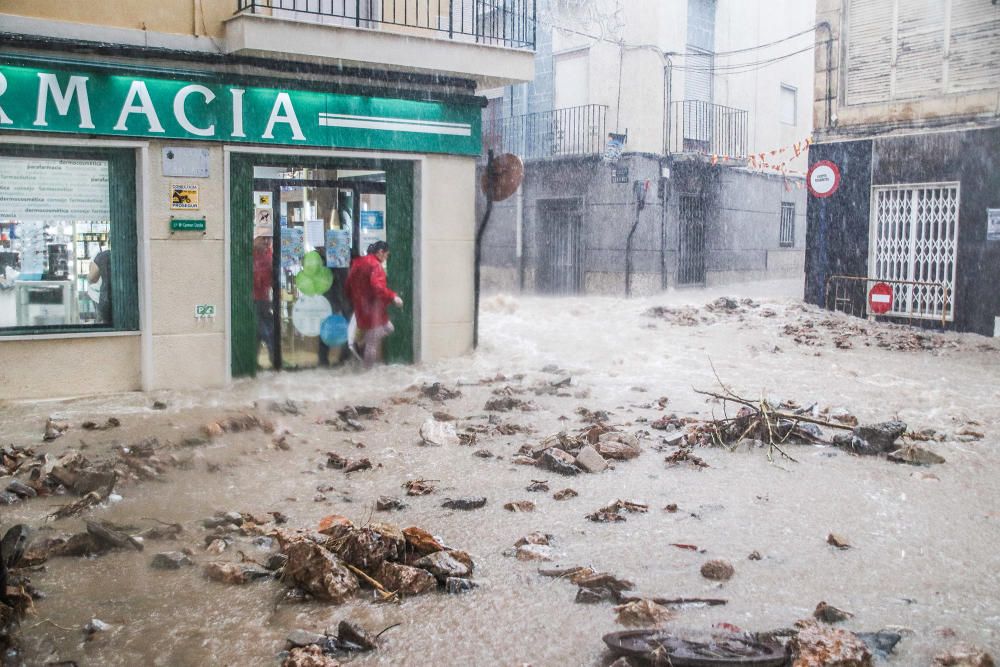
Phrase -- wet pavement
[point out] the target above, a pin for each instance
(924, 540)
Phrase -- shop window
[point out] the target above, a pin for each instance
(67, 241)
(786, 235)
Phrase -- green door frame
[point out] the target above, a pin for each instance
(399, 200)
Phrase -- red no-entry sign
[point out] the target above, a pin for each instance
(880, 298)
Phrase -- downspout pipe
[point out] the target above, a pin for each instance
(825, 25)
(480, 232)
(640, 188)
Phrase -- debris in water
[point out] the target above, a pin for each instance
(658, 647)
(718, 570)
(53, 430)
(94, 626)
(534, 552)
(466, 503)
(508, 403)
(643, 613)
(830, 614)
(112, 422)
(170, 560)
(684, 455)
(436, 433)
(235, 573)
(520, 506)
(439, 392)
(914, 455)
(318, 572)
(308, 656)
(419, 487)
(237, 424)
(836, 540)
(614, 511)
(817, 645)
(754, 555)
(360, 464)
(964, 656)
(565, 494)
(388, 503)
(538, 485)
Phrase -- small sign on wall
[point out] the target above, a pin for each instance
(204, 310)
(183, 197)
(993, 224)
(185, 162)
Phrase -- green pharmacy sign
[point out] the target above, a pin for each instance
(64, 97)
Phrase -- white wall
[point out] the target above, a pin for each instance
(652, 28)
(747, 23)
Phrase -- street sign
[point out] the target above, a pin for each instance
(823, 178)
(880, 299)
(177, 225)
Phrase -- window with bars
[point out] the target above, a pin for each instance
(914, 239)
(786, 234)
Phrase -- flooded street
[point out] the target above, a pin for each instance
(924, 553)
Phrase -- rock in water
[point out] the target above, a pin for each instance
(308, 656)
(170, 560)
(881, 436)
(555, 463)
(319, 572)
(830, 614)
(590, 460)
(442, 565)
(816, 645)
(433, 432)
(466, 503)
(643, 613)
(964, 656)
(234, 573)
(717, 570)
(406, 580)
(915, 456)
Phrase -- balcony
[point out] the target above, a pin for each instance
(702, 127)
(561, 132)
(489, 41)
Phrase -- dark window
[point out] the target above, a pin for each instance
(786, 236)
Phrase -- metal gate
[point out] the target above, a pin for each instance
(691, 260)
(559, 248)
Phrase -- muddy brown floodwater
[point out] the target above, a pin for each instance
(926, 541)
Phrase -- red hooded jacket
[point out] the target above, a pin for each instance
(368, 292)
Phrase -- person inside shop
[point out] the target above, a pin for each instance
(100, 271)
(263, 275)
(370, 296)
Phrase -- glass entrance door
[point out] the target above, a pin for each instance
(317, 225)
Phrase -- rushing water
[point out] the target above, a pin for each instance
(925, 553)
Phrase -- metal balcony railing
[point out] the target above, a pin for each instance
(703, 127)
(509, 23)
(569, 131)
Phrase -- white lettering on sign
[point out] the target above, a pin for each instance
(283, 103)
(181, 115)
(4, 118)
(77, 86)
(237, 112)
(138, 89)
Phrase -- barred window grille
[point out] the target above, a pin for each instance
(914, 237)
(786, 235)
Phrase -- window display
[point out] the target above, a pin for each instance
(55, 266)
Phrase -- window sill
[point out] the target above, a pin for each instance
(67, 334)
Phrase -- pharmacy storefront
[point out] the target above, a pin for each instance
(176, 229)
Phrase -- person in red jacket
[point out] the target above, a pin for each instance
(370, 297)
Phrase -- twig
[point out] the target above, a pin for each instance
(53, 623)
(386, 595)
(394, 625)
